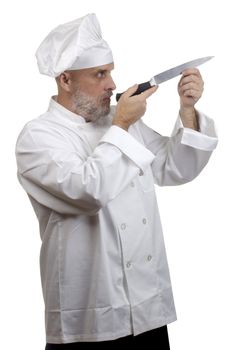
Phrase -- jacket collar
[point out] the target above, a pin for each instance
(58, 109)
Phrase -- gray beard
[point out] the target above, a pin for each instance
(89, 107)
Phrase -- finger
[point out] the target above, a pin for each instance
(149, 92)
(192, 93)
(189, 79)
(192, 86)
(131, 90)
(190, 71)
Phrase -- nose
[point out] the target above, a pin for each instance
(110, 84)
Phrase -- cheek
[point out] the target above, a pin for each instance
(90, 88)
(94, 87)
(74, 88)
(95, 91)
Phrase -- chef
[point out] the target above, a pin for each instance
(89, 170)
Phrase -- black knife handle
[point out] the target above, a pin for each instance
(141, 87)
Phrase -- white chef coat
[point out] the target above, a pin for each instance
(103, 263)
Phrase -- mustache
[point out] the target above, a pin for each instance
(107, 95)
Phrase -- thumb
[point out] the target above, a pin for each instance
(130, 91)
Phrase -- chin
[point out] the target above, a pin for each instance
(104, 111)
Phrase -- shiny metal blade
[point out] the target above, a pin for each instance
(173, 72)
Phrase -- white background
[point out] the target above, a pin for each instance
(146, 37)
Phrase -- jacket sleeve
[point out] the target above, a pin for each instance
(68, 181)
(181, 157)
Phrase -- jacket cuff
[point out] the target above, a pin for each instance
(128, 145)
(205, 139)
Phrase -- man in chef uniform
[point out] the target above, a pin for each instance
(89, 170)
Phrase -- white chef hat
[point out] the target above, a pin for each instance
(73, 45)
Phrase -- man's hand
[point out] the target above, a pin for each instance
(190, 89)
(131, 108)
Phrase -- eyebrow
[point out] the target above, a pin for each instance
(101, 71)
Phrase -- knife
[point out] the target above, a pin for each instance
(168, 74)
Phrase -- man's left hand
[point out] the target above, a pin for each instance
(190, 87)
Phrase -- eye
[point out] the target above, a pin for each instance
(101, 74)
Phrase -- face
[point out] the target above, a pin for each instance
(91, 90)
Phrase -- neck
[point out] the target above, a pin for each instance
(66, 102)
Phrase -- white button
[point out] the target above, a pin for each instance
(123, 226)
(132, 184)
(149, 257)
(128, 264)
(141, 172)
(144, 221)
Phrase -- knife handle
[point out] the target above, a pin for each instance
(141, 87)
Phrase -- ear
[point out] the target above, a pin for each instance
(64, 80)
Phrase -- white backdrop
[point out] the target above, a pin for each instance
(146, 37)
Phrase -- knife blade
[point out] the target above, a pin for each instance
(168, 74)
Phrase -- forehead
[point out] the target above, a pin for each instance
(107, 67)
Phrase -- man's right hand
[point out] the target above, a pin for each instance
(131, 108)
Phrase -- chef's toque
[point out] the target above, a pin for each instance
(72, 46)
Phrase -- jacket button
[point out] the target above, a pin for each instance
(128, 264)
(149, 258)
(141, 172)
(123, 226)
(144, 221)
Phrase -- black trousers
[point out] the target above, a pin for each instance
(158, 338)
